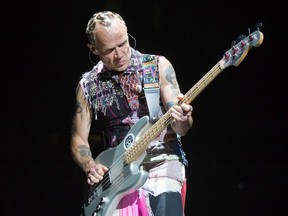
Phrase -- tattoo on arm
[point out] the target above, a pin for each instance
(84, 151)
(171, 77)
(78, 107)
(170, 104)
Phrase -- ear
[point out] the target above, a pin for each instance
(93, 49)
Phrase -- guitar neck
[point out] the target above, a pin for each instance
(233, 56)
(141, 145)
(202, 83)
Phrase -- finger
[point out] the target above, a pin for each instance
(187, 110)
(99, 173)
(93, 175)
(91, 180)
(177, 110)
(180, 117)
(104, 169)
(176, 116)
(190, 108)
(98, 169)
(180, 96)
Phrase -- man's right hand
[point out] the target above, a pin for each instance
(96, 173)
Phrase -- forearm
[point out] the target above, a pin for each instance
(82, 154)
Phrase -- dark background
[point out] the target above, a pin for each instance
(237, 149)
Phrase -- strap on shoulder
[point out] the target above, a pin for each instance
(151, 87)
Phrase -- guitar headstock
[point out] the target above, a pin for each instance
(236, 54)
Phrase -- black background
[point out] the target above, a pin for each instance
(237, 149)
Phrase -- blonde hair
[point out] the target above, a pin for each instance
(104, 19)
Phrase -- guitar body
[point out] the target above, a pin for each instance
(121, 179)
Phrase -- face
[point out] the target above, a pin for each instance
(113, 46)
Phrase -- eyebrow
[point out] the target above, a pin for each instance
(121, 44)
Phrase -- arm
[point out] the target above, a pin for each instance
(80, 147)
(171, 94)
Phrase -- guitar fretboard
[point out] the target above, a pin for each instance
(233, 56)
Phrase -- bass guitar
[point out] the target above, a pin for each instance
(125, 173)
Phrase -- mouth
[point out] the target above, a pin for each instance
(121, 63)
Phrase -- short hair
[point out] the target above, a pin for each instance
(102, 18)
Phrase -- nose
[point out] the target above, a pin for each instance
(117, 52)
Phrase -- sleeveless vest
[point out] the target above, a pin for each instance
(118, 101)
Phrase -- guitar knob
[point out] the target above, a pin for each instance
(243, 43)
(237, 40)
(103, 200)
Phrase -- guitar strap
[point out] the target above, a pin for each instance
(150, 75)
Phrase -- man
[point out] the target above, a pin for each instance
(113, 93)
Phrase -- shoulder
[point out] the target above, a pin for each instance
(164, 64)
(92, 74)
(164, 61)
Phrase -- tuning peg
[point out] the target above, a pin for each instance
(237, 40)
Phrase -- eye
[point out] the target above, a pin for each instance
(122, 44)
(106, 52)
